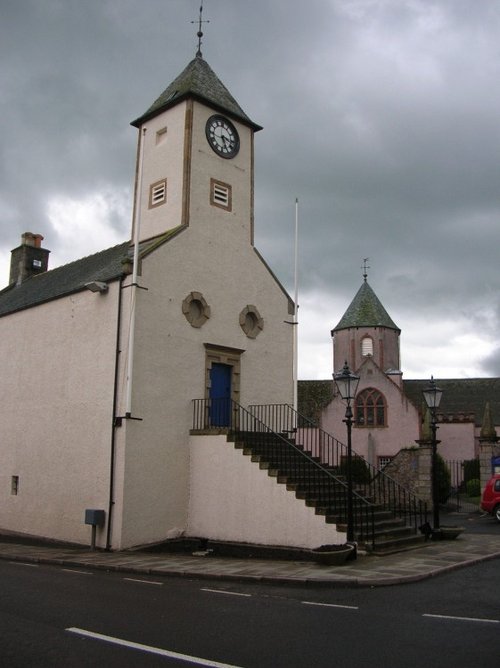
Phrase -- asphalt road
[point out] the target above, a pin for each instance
(49, 617)
(476, 522)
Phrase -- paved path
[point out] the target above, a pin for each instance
(429, 560)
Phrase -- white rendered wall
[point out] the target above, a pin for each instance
(183, 157)
(169, 368)
(212, 255)
(233, 500)
(163, 159)
(233, 226)
(56, 399)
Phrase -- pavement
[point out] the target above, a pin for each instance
(480, 541)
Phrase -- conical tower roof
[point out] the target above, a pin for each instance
(198, 81)
(366, 310)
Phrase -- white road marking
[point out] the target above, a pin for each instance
(151, 650)
(223, 591)
(74, 570)
(331, 605)
(465, 619)
(148, 582)
(23, 563)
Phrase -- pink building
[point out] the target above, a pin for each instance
(388, 411)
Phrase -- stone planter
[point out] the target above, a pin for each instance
(333, 555)
(447, 533)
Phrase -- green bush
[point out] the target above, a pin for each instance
(474, 487)
(359, 468)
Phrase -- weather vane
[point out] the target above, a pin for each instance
(200, 32)
(365, 267)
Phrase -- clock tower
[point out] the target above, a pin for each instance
(195, 160)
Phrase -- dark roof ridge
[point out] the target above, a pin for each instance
(84, 258)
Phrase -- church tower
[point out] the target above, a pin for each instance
(195, 160)
(202, 334)
(366, 330)
(368, 339)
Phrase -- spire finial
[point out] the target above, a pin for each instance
(200, 32)
(365, 268)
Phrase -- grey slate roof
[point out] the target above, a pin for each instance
(104, 266)
(199, 81)
(461, 396)
(366, 310)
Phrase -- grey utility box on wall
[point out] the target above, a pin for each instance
(94, 517)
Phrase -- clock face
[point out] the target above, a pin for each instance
(222, 136)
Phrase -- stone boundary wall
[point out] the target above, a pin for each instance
(411, 468)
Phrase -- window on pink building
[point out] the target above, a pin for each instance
(367, 346)
(371, 409)
(383, 461)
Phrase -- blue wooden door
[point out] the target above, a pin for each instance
(220, 395)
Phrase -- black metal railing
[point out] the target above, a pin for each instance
(291, 463)
(369, 482)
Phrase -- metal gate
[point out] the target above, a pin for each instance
(461, 473)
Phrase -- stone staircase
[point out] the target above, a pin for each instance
(377, 527)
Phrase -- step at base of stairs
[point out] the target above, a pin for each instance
(387, 547)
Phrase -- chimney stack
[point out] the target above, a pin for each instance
(28, 259)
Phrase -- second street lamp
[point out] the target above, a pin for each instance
(432, 395)
(347, 385)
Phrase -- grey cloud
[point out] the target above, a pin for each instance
(382, 117)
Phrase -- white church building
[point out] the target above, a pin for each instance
(101, 363)
(103, 357)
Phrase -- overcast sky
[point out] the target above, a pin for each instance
(381, 116)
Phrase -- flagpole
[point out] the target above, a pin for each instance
(133, 286)
(296, 308)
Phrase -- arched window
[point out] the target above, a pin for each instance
(371, 409)
(367, 346)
